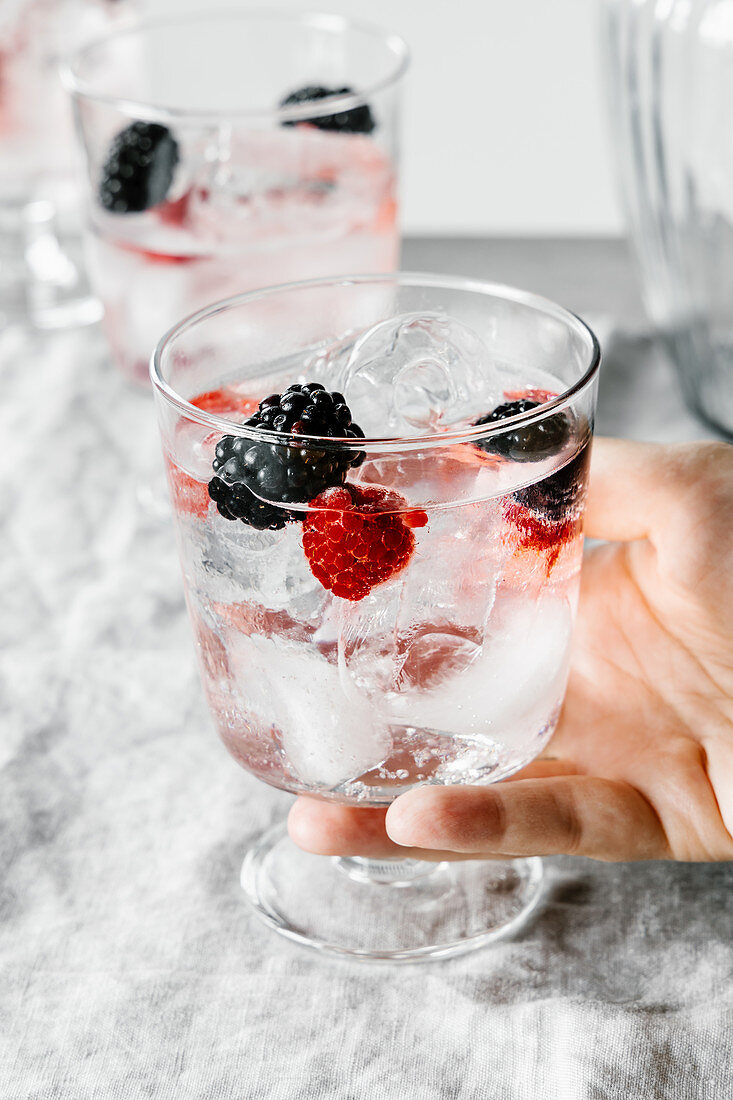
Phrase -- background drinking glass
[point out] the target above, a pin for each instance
(670, 88)
(41, 274)
(232, 151)
(444, 658)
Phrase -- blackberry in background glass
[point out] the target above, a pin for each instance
(357, 120)
(139, 168)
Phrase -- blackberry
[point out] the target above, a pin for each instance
(357, 120)
(138, 171)
(557, 497)
(293, 471)
(527, 442)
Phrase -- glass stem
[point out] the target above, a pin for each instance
(384, 872)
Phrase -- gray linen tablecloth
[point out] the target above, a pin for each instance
(131, 965)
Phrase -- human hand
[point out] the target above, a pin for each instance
(642, 762)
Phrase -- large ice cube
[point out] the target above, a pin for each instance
(505, 689)
(327, 737)
(227, 562)
(437, 609)
(453, 575)
(417, 373)
(253, 186)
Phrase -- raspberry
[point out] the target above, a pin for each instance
(160, 259)
(293, 470)
(355, 540)
(536, 534)
(358, 120)
(139, 168)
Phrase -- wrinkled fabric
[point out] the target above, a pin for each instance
(131, 964)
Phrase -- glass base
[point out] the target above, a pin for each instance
(388, 910)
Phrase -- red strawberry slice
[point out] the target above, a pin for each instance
(167, 259)
(357, 538)
(176, 212)
(540, 396)
(189, 495)
(536, 534)
(225, 400)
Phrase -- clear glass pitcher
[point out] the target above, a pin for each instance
(669, 68)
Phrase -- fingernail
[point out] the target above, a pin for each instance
(399, 826)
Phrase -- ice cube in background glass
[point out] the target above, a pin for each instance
(258, 184)
(418, 373)
(328, 738)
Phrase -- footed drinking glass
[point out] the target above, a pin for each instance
(378, 485)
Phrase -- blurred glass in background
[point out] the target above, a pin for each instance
(228, 151)
(41, 275)
(669, 67)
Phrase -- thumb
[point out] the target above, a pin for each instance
(645, 490)
(679, 498)
(571, 815)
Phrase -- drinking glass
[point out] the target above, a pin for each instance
(388, 605)
(230, 151)
(42, 277)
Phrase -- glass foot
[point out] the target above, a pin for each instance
(389, 910)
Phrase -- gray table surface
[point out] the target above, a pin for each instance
(131, 965)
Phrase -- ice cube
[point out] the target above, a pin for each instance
(417, 373)
(255, 185)
(228, 562)
(327, 737)
(453, 575)
(129, 281)
(437, 607)
(508, 687)
(436, 656)
(370, 655)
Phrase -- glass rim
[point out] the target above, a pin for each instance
(384, 443)
(80, 88)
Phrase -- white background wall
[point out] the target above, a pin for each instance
(504, 128)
